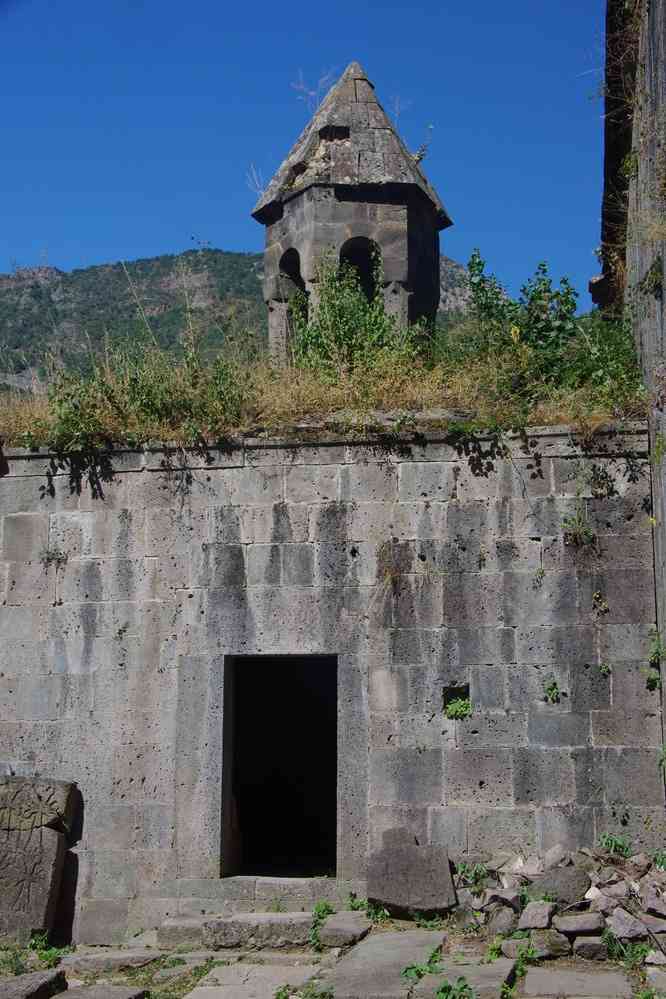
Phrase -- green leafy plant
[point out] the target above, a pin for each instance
(13, 961)
(552, 692)
(614, 844)
(494, 950)
(415, 972)
(577, 528)
(428, 922)
(458, 708)
(652, 678)
(605, 669)
(526, 955)
(377, 913)
(320, 912)
(657, 650)
(659, 860)
(632, 955)
(599, 603)
(460, 989)
(355, 904)
(348, 327)
(507, 991)
(471, 876)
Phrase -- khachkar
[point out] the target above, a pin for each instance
(35, 824)
(350, 187)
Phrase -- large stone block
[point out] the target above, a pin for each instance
(409, 878)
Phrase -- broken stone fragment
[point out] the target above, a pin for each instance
(591, 948)
(549, 943)
(536, 916)
(36, 985)
(407, 878)
(344, 928)
(580, 923)
(655, 957)
(502, 920)
(554, 857)
(625, 926)
(566, 884)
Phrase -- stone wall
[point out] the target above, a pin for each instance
(646, 252)
(423, 568)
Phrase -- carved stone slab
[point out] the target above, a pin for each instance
(35, 814)
(408, 878)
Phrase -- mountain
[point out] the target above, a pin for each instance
(44, 310)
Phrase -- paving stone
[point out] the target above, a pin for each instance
(104, 991)
(536, 916)
(555, 982)
(371, 969)
(250, 981)
(580, 923)
(485, 979)
(258, 929)
(36, 985)
(106, 959)
(590, 948)
(344, 928)
(656, 978)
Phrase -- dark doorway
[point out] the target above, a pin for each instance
(283, 786)
(363, 255)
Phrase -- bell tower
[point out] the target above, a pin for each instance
(350, 186)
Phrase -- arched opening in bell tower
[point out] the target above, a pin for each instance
(364, 256)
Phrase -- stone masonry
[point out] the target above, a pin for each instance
(424, 577)
(351, 188)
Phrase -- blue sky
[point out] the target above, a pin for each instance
(130, 126)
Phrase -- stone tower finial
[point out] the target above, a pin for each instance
(349, 184)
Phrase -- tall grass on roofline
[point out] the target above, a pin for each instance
(507, 363)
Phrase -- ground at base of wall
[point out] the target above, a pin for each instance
(395, 963)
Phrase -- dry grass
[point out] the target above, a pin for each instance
(273, 400)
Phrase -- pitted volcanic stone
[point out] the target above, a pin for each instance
(590, 948)
(258, 929)
(410, 878)
(566, 885)
(581, 922)
(536, 916)
(486, 980)
(344, 928)
(35, 985)
(549, 943)
(563, 982)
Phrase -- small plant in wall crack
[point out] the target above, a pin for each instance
(657, 650)
(459, 708)
(552, 692)
(605, 669)
(599, 603)
(53, 556)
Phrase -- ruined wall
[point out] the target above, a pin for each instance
(418, 572)
(646, 251)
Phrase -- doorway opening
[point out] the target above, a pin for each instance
(280, 769)
(363, 255)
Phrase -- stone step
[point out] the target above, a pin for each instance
(258, 929)
(107, 959)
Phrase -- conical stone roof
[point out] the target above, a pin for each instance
(349, 141)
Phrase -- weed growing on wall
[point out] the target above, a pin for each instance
(506, 364)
